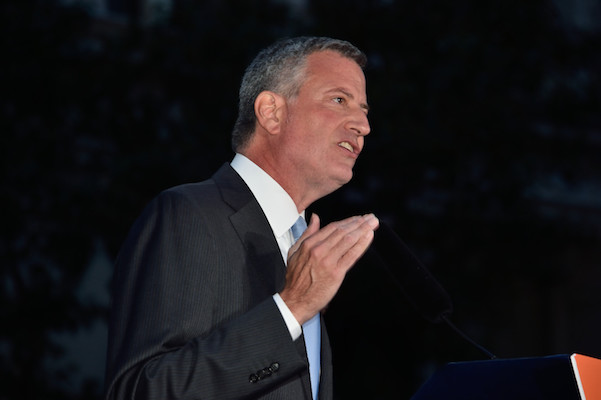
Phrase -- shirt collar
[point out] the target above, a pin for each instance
(276, 203)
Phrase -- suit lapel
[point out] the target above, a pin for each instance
(267, 269)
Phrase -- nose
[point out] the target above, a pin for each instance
(358, 123)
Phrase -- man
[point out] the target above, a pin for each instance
(211, 298)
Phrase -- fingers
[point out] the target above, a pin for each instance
(345, 224)
(354, 244)
(340, 236)
(351, 239)
(342, 242)
(319, 261)
(332, 234)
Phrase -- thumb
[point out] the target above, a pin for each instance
(311, 229)
(313, 225)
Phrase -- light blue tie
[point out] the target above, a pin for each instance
(311, 328)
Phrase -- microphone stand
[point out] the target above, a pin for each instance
(467, 338)
(419, 286)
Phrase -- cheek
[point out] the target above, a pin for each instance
(311, 133)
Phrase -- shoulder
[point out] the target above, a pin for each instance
(186, 203)
(192, 193)
(204, 202)
(225, 183)
(201, 193)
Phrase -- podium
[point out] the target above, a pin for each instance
(562, 377)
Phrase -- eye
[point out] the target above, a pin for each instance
(339, 100)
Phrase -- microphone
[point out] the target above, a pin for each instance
(418, 285)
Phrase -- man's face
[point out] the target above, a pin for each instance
(326, 122)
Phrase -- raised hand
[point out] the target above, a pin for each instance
(320, 259)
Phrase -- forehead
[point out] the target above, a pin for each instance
(328, 69)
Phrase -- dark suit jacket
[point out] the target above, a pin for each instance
(193, 315)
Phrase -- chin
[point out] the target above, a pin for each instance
(343, 179)
(335, 178)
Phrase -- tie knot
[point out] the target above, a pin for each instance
(298, 228)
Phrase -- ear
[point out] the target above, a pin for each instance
(269, 109)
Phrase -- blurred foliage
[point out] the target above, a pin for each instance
(475, 108)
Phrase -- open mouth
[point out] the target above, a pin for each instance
(347, 146)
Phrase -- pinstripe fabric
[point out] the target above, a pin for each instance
(193, 316)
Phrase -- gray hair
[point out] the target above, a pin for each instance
(281, 69)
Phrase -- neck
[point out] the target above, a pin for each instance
(302, 193)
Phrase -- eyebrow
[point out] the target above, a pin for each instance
(364, 106)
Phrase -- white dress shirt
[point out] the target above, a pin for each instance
(281, 213)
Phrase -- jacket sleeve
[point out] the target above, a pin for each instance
(187, 320)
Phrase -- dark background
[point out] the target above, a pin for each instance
(484, 156)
